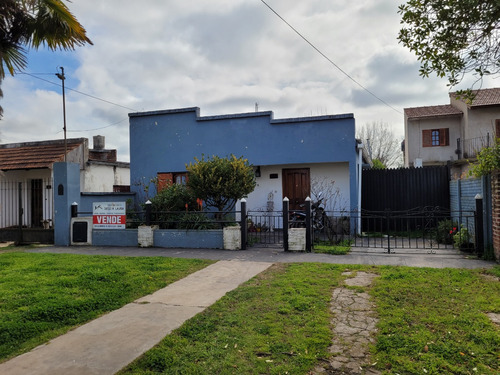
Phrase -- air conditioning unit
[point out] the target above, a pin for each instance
(81, 230)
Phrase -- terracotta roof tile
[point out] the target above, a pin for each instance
(484, 97)
(34, 155)
(432, 111)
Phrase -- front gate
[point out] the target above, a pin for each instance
(265, 228)
(428, 229)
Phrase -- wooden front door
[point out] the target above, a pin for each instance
(296, 186)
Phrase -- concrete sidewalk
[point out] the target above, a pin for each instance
(442, 258)
(109, 343)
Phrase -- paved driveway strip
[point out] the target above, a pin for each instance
(109, 343)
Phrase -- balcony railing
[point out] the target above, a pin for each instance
(469, 148)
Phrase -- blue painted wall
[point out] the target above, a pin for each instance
(66, 191)
(195, 239)
(165, 141)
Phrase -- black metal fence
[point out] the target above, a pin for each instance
(431, 228)
(405, 188)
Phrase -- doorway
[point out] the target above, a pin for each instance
(296, 186)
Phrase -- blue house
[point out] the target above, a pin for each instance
(293, 157)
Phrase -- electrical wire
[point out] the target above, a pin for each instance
(78, 92)
(329, 60)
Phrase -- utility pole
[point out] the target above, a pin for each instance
(62, 78)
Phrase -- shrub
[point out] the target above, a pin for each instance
(446, 229)
(462, 239)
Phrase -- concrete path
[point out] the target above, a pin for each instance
(109, 343)
(371, 256)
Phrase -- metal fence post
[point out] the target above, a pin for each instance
(387, 217)
(20, 215)
(74, 209)
(308, 224)
(243, 224)
(285, 223)
(479, 224)
(148, 212)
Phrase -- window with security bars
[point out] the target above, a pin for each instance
(435, 137)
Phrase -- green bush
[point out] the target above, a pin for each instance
(462, 239)
(446, 229)
(174, 198)
(195, 220)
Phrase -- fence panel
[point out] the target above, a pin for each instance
(405, 188)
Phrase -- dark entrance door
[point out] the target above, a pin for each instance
(296, 186)
(36, 203)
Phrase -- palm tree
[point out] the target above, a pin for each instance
(35, 23)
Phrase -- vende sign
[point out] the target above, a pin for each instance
(109, 215)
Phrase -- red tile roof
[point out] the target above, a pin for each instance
(484, 97)
(35, 155)
(432, 111)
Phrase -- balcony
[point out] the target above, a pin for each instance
(469, 148)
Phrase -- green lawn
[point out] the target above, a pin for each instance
(279, 323)
(44, 295)
(432, 321)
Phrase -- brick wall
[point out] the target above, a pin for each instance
(495, 192)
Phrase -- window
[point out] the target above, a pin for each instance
(167, 179)
(435, 137)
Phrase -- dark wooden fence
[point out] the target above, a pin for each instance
(405, 188)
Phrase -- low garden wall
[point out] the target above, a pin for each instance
(146, 236)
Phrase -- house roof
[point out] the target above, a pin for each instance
(432, 111)
(483, 97)
(35, 155)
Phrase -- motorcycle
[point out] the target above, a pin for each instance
(297, 219)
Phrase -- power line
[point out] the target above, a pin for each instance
(78, 92)
(329, 60)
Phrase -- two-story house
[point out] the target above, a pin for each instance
(452, 133)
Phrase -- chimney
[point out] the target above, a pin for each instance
(99, 142)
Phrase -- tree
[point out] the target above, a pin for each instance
(35, 23)
(219, 182)
(453, 38)
(382, 145)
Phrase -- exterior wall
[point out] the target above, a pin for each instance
(114, 237)
(430, 155)
(9, 196)
(197, 239)
(100, 178)
(165, 141)
(80, 154)
(325, 178)
(481, 122)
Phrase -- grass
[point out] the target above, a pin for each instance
(278, 323)
(45, 295)
(432, 321)
(339, 249)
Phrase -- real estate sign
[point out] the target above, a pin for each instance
(109, 215)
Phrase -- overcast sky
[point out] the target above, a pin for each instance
(222, 56)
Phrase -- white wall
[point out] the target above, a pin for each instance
(331, 178)
(100, 178)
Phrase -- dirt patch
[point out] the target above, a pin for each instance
(354, 329)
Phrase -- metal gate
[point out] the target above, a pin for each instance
(430, 229)
(265, 228)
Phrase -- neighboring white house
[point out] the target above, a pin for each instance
(26, 170)
(452, 133)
